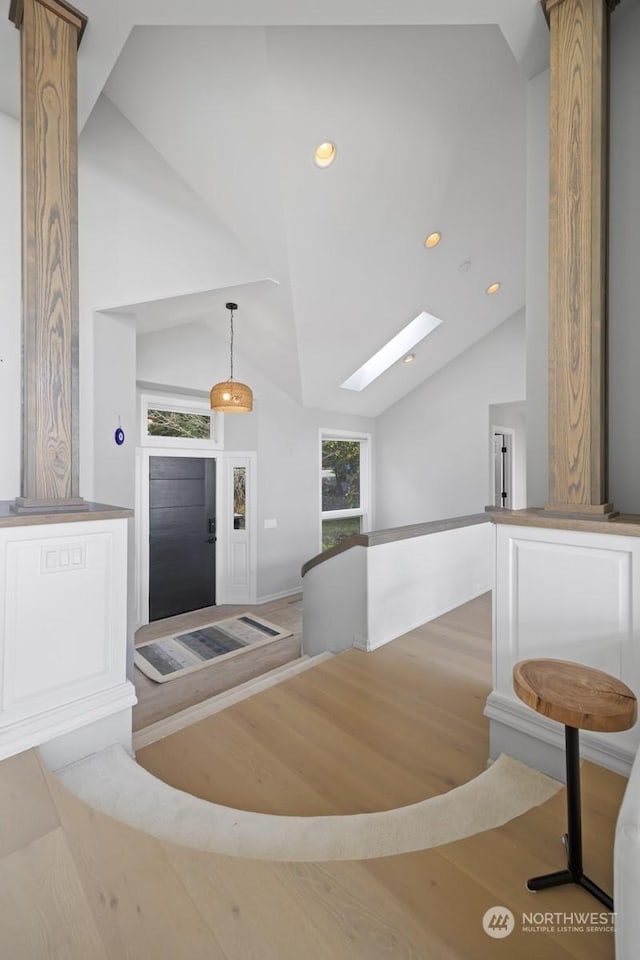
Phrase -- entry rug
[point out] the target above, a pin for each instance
(174, 656)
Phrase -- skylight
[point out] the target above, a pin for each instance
(392, 351)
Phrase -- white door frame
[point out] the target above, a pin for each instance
(510, 432)
(224, 522)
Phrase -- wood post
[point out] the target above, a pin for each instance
(50, 34)
(578, 257)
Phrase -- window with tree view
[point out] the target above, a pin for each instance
(343, 487)
(171, 423)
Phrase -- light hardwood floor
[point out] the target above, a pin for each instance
(77, 885)
(159, 700)
(359, 732)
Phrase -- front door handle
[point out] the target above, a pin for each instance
(211, 540)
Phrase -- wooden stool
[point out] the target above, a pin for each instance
(582, 699)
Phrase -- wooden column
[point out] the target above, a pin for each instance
(50, 34)
(578, 257)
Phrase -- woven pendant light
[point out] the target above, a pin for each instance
(231, 396)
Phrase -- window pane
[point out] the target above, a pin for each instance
(340, 474)
(335, 531)
(239, 498)
(170, 423)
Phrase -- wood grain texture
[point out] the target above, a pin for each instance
(45, 915)
(577, 253)
(90, 511)
(575, 695)
(159, 700)
(27, 808)
(148, 899)
(64, 10)
(359, 732)
(49, 253)
(589, 510)
(138, 904)
(620, 524)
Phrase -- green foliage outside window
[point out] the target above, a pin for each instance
(239, 498)
(340, 474)
(336, 530)
(170, 423)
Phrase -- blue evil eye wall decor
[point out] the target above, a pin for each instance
(119, 436)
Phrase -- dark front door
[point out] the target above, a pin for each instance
(182, 521)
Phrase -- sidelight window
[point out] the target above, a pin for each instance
(239, 498)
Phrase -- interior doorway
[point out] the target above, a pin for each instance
(507, 455)
(502, 470)
(182, 535)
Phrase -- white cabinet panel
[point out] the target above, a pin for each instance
(569, 595)
(63, 629)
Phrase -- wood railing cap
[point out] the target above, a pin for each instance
(391, 534)
(89, 511)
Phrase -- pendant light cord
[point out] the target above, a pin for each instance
(231, 346)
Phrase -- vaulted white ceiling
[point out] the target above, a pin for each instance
(426, 103)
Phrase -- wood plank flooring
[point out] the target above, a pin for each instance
(360, 732)
(78, 885)
(159, 700)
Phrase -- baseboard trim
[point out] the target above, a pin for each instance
(36, 730)
(268, 598)
(535, 730)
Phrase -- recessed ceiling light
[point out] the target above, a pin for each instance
(325, 154)
(493, 287)
(410, 357)
(392, 351)
(433, 240)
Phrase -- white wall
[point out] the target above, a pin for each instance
(413, 581)
(572, 595)
(10, 294)
(537, 288)
(115, 402)
(287, 444)
(366, 597)
(144, 235)
(432, 458)
(624, 252)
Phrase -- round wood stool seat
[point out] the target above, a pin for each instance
(575, 695)
(582, 699)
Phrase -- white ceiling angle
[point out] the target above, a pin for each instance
(425, 102)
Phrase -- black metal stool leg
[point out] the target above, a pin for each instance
(574, 872)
